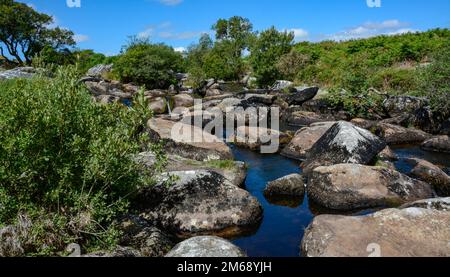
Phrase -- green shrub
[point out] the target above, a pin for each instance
(365, 104)
(434, 81)
(152, 65)
(266, 50)
(67, 162)
(394, 80)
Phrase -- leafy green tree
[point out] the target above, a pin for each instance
(49, 55)
(152, 65)
(233, 36)
(24, 33)
(237, 30)
(266, 50)
(196, 60)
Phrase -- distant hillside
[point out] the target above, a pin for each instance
(386, 63)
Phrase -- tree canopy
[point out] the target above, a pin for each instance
(25, 32)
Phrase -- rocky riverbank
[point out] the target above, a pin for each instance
(346, 165)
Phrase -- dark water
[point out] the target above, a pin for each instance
(284, 223)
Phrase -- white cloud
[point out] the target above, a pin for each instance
(402, 31)
(170, 2)
(80, 38)
(300, 34)
(180, 49)
(370, 29)
(178, 36)
(147, 33)
(165, 31)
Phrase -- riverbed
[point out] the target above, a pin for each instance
(284, 222)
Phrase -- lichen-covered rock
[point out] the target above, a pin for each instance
(399, 105)
(301, 94)
(304, 140)
(183, 101)
(188, 141)
(304, 118)
(233, 171)
(265, 99)
(351, 186)
(409, 232)
(119, 252)
(394, 134)
(139, 234)
(440, 204)
(158, 105)
(199, 202)
(387, 154)
(364, 123)
(19, 72)
(99, 70)
(206, 247)
(292, 185)
(343, 143)
(259, 138)
(281, 84)
(431, 174)
(437, 144)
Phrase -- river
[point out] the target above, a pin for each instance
(284, 223)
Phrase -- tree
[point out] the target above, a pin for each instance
(266, 50)
(152, 65)
(236, 30)
(24, 33)
(233, 37)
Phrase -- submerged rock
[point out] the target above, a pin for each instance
(437, 144)
(190, 203)
(206, 247)
(304, 140)
(188, 141)
(410, 232)
(431, 174)
(343, 143)
(351, 187)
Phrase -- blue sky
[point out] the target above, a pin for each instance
(104, 25)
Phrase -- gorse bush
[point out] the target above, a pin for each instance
(152, 65)
(434, 81)
(67, 162)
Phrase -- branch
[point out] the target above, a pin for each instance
(2, 54)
